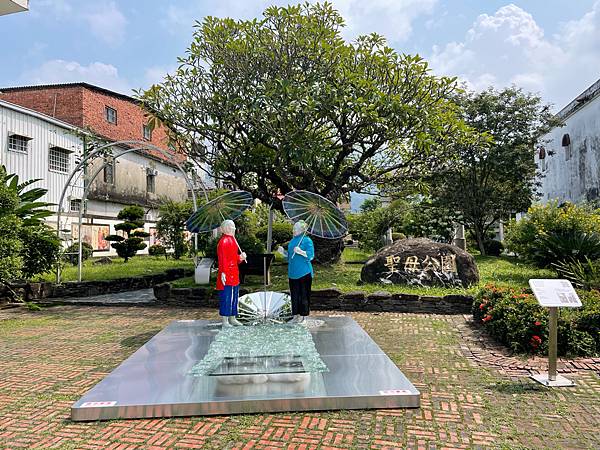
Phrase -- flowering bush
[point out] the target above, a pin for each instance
(550, 233)
(514, 318)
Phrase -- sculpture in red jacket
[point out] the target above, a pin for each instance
(228, 278)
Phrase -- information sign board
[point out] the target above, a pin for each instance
(555, 293)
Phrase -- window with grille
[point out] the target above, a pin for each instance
(76, 204)
(18, 143)
(147, 132)
(58, 160)
(150, 183)
(109, 171)
(111, 114)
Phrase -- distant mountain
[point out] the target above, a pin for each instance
(356, 200)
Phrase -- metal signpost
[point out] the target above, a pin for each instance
(554, 294)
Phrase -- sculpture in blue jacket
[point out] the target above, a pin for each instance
(300, 270)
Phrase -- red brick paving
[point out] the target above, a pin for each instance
(474, 395)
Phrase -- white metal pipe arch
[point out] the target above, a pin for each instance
(99, 152)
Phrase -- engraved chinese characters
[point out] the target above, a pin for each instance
(421, 262)
(445, 263)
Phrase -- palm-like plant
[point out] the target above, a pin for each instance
(566, 246)
(29, 209)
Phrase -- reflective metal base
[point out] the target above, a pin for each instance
(156, 381)
(560, 381)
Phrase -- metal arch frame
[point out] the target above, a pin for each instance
(141, 145)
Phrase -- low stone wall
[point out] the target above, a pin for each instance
(331, 300)
(38, 291)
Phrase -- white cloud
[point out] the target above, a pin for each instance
(390, 18)
(58, 8)
(59, 71)
(156, 74)
(509, 47)
(106, 22)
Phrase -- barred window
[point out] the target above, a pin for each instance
(150, 183)
(109, 171)
(111, 114)
(58, 160)
(147, 132)
(76, 204)
(18, 143)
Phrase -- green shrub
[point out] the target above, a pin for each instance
(249, 244)
(157, 250)
(430, 220)
(71, 253)
(493, 247)
(171, 225)
(41, 249)
(543, 221)
(584, 274)
(133, 218)
(282, 233)
(514, 318)
(573, 245)
(398, 236)
(11, 261)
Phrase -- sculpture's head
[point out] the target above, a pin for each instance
(300, 227)
(228, 227)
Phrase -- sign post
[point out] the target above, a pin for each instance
(554, 294)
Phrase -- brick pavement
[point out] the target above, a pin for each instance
(471, 397)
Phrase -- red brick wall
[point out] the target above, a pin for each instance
(64, 103)
(85, 107)
(130, 119)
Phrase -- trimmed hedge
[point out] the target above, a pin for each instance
(514, 318)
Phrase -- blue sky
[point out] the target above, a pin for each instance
(551, 47)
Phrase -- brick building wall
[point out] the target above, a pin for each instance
(61, 102)
(84, 105)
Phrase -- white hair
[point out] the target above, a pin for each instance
(301, 226)
(227, 224)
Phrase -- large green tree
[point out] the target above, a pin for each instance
(284, 102)
(495, 175)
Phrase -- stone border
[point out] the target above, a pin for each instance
(479, 347)
(331, 300)
(33, 292)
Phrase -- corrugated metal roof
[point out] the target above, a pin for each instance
(78, 84)
(582, 99)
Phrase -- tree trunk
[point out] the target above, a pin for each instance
(479, 237)
(327, 251)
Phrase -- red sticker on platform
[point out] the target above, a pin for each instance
(97, 404)
(394, 392)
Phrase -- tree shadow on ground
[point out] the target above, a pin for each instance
(139, 339)
(520, 386)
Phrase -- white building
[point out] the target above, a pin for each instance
(13, 6)
(569, 158)
(36, 146)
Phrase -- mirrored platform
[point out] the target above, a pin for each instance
(157, 381)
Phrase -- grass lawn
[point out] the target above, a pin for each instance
(136, 266)
(503, 271)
